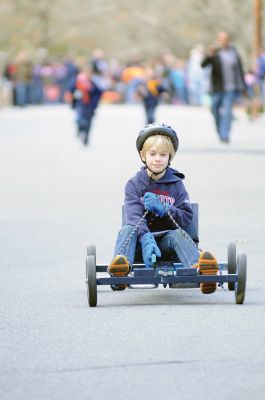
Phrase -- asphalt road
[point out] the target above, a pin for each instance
(58, 196)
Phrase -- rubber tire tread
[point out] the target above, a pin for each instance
(232, 263)
(240, 286)
(91, 281)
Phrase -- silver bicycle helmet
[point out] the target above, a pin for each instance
(156, 129)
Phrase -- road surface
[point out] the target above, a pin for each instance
(57, 196)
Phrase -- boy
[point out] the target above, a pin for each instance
(158, 189)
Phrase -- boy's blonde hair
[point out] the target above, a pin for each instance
(161, 142)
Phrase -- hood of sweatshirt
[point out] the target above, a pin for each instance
(171, 175)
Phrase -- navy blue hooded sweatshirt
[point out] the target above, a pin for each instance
(171, 191)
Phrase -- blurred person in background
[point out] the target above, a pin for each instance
(177, 79)
(59, 78)
(98, 62)
(21, 75)
(6, 97)
(115, 90)
(166, 65)
(261, 76)
(71, 73)
(150, 91)
(132, 76)
(36, 85)
(252, 102)
(196, 77)
(227, 82)
(86, 92)
(115, 71)
(51, 91)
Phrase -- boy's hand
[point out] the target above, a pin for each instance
(149, 247)
(153, 204)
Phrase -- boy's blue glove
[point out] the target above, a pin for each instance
(149, 247)
(153, 204)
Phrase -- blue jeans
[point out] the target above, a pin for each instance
(173, 244)
(131, 89)
(222, 106)
(84, 120)
(150, 114)
(21, 94)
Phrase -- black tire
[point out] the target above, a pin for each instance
(240, 285)
(91, 281)
(232, 263)
(91, 251)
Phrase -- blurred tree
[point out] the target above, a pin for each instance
(122, 28)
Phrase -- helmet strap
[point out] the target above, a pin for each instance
(153, 172)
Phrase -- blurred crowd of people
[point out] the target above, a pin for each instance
(45, 80)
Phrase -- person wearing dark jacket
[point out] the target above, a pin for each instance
(156, 191)
(227, 82)
(86, 92)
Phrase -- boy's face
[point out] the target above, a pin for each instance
(156, 158)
